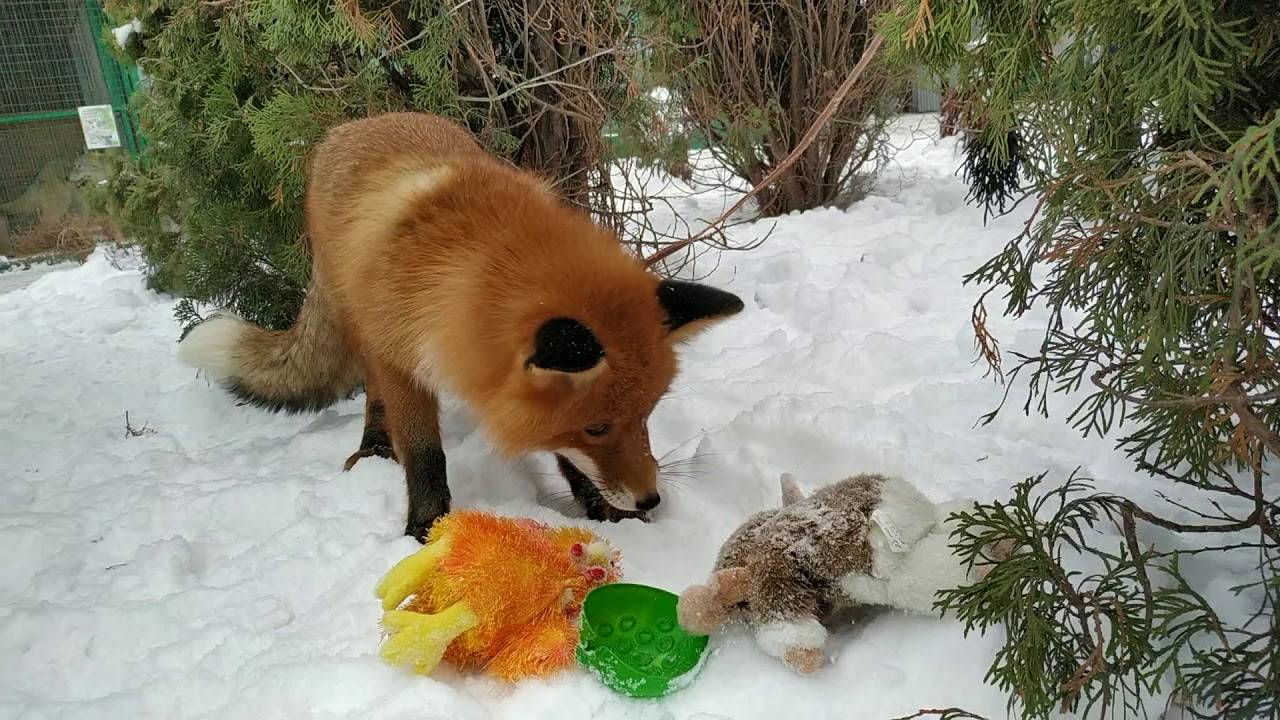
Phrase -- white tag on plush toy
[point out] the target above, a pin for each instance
(882, 520)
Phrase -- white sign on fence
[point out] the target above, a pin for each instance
(99, 125)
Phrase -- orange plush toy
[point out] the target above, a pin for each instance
(493, 593)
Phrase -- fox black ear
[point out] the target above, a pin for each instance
(692, 307)
(564, 345)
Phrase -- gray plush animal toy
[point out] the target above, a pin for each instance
(866, 540)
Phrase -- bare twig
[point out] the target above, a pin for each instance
(131, 431)
(544, 79)
(1126, 505)
(942, 714)
(854, 75)
(1188, 402)
(1130, 532)
(304, 83)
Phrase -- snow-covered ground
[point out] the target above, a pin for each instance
(15, 276)
(217, 563)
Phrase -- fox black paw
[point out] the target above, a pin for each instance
(420, 522)
(418, 530)
(605, 512)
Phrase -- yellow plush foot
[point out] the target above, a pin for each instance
(410, 574)
(420, 640)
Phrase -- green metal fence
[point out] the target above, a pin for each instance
(52, 63)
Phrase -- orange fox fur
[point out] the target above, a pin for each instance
(437, 267)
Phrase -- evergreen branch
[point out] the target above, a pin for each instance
(388, 52)
(1150, 137)
(1201, 550)
(1188, 402)
(1109, 658)
(1252, 424)
(1212, 621)
(1228, 488)
(1222, 517)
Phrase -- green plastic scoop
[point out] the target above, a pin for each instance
(631, 640)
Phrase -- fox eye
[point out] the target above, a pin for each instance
(598, 430)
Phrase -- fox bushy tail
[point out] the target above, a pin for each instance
(305, 368)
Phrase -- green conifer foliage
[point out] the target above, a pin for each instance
(237, 93)
(1144, 137)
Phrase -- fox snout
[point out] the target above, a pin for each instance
(649, 502)
(625, 473)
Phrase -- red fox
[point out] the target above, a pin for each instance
(436, 267)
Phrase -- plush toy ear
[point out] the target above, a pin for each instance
(691, 307)
(699, 611)
(565, 348)
(731, 585)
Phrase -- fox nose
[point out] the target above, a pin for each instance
(649, 503)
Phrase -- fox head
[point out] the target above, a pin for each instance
(587, 381)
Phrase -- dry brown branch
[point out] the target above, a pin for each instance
(1094, 664)
(1254, 426)
(1128, 507)
(1129, 530)
(543, 79)
(919, 26)
(538, 80)
(942, 714)
(364, 28)
(791, 159)
(984, 341)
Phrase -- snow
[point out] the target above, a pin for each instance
(126, 31)
(16, 275)
(217, 563)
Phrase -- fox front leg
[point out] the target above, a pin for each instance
(413, 422)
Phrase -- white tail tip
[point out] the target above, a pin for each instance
(210, 346)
